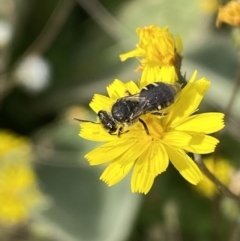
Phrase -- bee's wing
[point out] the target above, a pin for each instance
(142, 109)
(146, 104)
(135, 97)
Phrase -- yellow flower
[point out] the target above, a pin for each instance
(158, 53)
(221, 168)
(170, 138)
(209, 6)
(230, 14)
(14, 146)
(19, 193)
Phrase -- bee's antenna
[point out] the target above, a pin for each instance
(87, 121)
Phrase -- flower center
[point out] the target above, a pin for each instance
(154, 126)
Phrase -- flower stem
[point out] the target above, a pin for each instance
(221, 187)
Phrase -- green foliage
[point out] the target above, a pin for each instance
(84, 58)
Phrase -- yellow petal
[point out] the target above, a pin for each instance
(175, 138)
(135, 152)
(132, 87)
(201, 144)
(187, 102)
(203, 123)
(150, 164)
(179, 43)
(95, 132)
(168, 74)
(116, 89)
(142, 180)
(193, 77)
(229, 13)
(184, 164)
(130, 54)
(200, 86)
(101, 102)
(157, 157)
(193, 173)
(109, 151)
(150, 74)
(115, 172)
(159, 160)
(142, 177)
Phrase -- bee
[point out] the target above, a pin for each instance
(119, 116)
(153, 98)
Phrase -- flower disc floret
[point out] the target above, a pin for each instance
(158, 52)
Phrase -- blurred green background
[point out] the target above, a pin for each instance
(54, 55)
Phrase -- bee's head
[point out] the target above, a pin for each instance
(107, 121)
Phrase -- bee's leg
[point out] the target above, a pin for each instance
(156, 113)
(121, 131)
(144, 126)
(113, 134)
(159, 113)
(127, 93)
